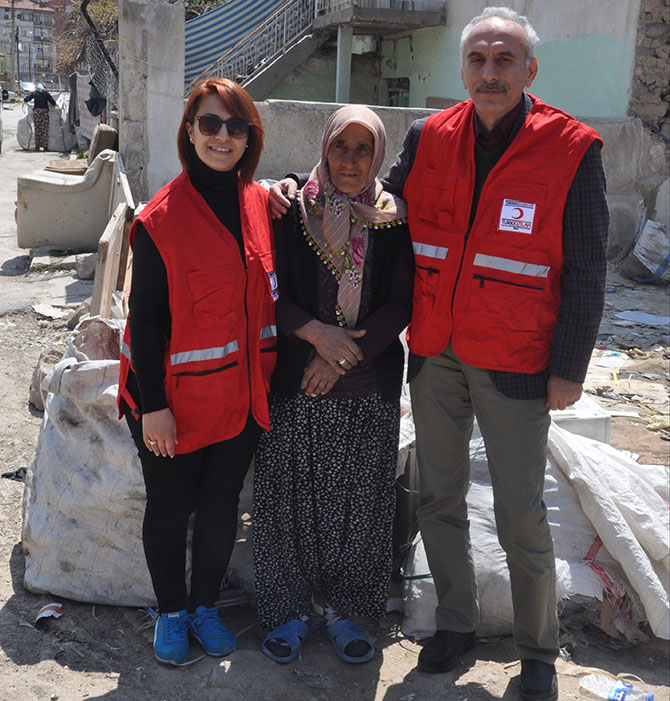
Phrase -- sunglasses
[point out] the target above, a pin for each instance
(210, 125)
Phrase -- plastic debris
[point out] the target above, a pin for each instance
(54, 610)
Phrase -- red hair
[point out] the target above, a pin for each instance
(237, 101)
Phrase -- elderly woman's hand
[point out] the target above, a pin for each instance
(333, 343)
(159, 430)
(318, 377)
(281, 194)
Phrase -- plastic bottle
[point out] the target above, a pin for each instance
(598, 686)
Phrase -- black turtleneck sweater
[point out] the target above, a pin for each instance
(149, 302)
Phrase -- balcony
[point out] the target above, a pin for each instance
(379, 17)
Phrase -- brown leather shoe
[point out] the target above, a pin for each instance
(443, 650)
(538, 681)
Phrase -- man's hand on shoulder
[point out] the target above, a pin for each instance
(561, 393)
(282, 193)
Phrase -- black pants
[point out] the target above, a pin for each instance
(208, 482)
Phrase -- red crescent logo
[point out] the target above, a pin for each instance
(518, 216)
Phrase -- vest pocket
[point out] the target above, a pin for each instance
(213, 291)
(437, 201)
(426, 279)
(512, 305)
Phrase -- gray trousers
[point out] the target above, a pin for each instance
(446, 394)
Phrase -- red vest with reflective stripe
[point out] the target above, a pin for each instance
(494, 292)
(222, 348)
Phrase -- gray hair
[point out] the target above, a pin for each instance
(529, 43)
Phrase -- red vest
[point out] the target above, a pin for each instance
(222, 348)
(493, 292)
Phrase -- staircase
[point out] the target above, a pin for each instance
(284, 39)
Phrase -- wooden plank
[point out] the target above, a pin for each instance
(125, 256)
(120, 187)
(107, 264)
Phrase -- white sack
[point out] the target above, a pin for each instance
(627, 511)
(572, 532)
(84, 495)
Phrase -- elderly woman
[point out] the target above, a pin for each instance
(198, 353)
(324, 476)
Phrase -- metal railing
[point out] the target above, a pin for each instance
(277, 33)
(270, 38)
(325, 7)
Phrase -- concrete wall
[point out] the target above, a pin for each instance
(586, 55)
(151, 80)
(293, 134)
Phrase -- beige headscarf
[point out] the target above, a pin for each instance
(337, 224)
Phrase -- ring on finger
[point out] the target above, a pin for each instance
(341, 361)
(151, 441)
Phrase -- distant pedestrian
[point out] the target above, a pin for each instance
(43, 99)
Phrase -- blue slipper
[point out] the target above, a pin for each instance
(345, 631)
(293, 634)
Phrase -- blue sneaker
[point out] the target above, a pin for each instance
(171, 637)
(208, 629)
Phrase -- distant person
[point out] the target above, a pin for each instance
(324, 487)
(42, 99)
(198, 352)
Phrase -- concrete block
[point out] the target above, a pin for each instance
(621, 152)
(627, 216)
(86, 266)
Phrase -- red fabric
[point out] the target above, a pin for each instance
(505, 321)
(222, 349)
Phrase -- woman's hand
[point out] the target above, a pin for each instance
(159, 430)
(318, 378)
(333, 343)
(281, 194)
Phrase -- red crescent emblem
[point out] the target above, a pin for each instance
(520, 214)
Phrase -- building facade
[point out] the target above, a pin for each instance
(27, 44)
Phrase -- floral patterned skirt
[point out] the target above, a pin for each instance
(41, 121)
(324, 501)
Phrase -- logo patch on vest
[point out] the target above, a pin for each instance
(517, 216)
(274, 285)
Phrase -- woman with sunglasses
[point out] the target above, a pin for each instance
(198, 352)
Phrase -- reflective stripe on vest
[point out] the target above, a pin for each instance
(430, 251)
(204, 354)
(125, 350)
(268, 332)
(511, 266)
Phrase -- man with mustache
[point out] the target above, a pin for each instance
(508, 219)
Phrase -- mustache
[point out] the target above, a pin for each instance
(490, 87)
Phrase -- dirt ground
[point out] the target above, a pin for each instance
(95, 652)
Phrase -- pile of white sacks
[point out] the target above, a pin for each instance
(84, 503)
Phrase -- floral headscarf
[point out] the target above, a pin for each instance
(336, 224)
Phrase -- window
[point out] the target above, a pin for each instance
(397, 92)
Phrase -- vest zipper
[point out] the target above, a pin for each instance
(458, 275)
(482, 279)
(197, 373)
(246, 314)
(431, 271)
